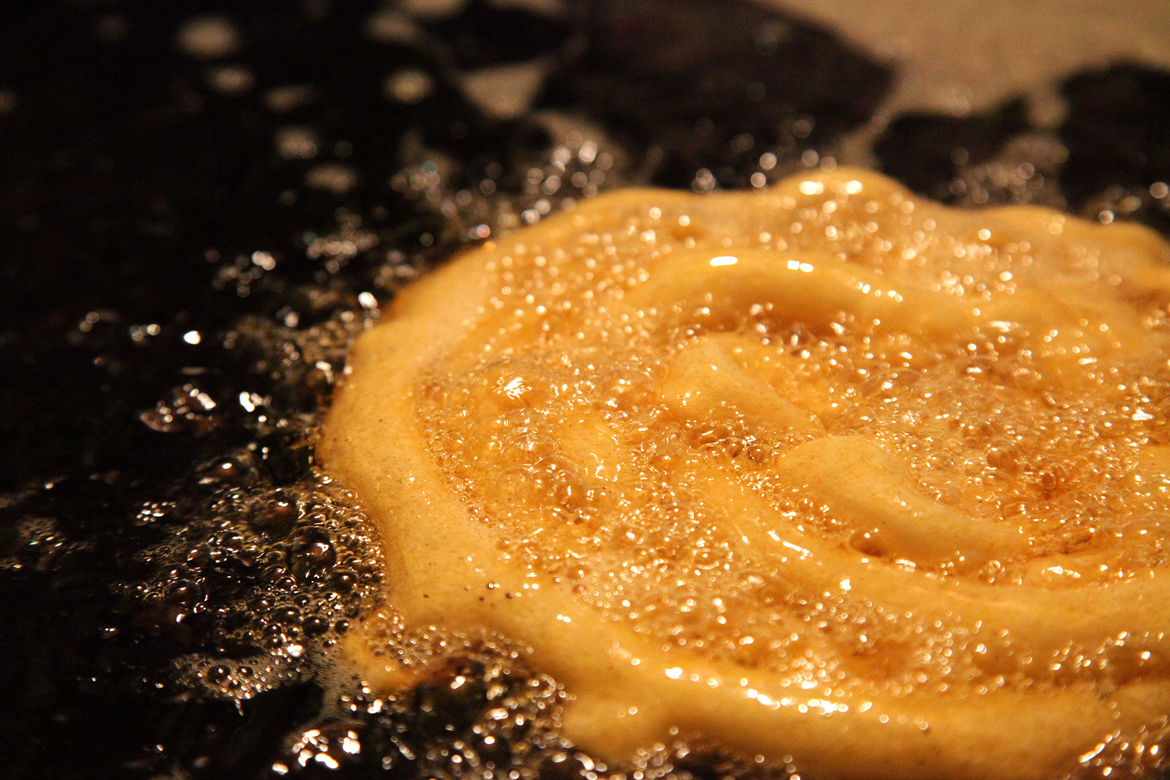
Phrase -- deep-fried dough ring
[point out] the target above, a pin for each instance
(820, 472)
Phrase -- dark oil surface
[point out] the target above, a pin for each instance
(188, 245)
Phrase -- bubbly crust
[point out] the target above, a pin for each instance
(825, 472)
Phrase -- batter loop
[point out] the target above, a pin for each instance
(825, 471)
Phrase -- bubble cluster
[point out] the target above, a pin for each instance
(482, 715)
(253, 581)
(579, 163)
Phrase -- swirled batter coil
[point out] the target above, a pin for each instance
(825, 471)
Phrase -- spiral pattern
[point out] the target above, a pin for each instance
(823, 472)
